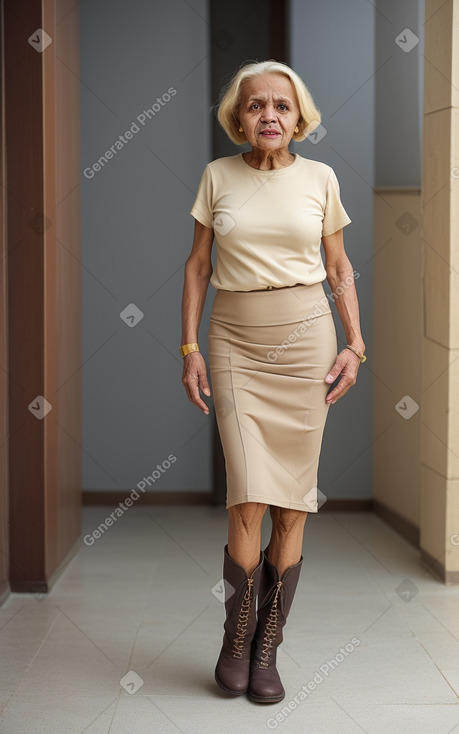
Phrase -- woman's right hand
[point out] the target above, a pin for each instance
(194, 378)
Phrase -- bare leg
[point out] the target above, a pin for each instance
(244, 534)
(286, 542)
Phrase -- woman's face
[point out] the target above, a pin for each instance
(268, 103)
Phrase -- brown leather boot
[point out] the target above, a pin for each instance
(275, 599)
(233, 665)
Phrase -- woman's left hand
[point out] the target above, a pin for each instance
(347, 365)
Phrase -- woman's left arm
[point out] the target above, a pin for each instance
(340, 276)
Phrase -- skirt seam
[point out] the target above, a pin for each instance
(237, 416)
(302, 320)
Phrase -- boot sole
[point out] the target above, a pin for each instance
(265, 699)
(229, 690)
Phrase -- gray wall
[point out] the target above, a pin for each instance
(137, 234)
(399, 93)
(333, 51)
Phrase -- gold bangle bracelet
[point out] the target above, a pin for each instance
(360, 356)
(187, 348)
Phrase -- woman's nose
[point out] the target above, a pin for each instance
(269, 114)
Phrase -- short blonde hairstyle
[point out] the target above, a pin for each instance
(230, 99)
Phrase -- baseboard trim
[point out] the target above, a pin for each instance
(64, 563)
(5, 591)
(344, 505)
(404, 527)
(99, 497)
(25, 586)
(450, 578)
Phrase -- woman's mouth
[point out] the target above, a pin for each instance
(270, 133)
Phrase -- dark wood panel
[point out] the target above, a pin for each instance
(4, 549)
(63, 292)
(43, 241)
(25, 242)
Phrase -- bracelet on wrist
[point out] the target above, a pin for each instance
(362, 357)
(187, 348)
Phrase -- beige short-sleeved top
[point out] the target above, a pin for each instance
(268, 225)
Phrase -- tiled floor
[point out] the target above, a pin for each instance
(139, 599)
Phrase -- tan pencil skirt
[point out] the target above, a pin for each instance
(269, 354)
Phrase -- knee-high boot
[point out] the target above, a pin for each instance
(233, 665)
(275, 599)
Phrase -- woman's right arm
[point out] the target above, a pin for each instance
(198, 269)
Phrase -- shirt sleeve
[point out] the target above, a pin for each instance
(202, 209)
(335, 215)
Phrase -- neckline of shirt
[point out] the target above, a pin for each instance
(272, 171)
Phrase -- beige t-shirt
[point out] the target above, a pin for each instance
(268, 225)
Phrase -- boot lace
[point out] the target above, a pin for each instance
(270, 629)
(243, 620)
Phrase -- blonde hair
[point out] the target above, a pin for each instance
(230, 98)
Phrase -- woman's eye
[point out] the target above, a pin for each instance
(256, 105)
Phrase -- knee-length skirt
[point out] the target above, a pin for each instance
(269, 354)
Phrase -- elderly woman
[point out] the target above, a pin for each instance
(272, 350)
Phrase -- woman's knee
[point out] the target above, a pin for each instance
(247, 516)
(285, 520)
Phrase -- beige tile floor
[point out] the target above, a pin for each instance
(138, 603)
